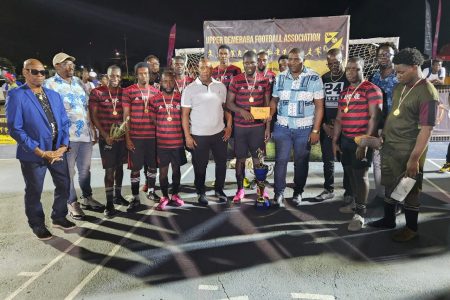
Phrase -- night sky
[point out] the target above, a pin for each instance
(92, 30)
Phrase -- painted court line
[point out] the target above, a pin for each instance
(307, 296)
(205, 287)
(27, 274)
(50, 264)
(236, 298)
(110, 255)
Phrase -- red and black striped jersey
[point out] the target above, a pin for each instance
(248, 95)
(181, 84)
(167, 111)
(355, 120)
(141, 115)
(107, 101)
(225, 75)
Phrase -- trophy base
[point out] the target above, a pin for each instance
(262, 204)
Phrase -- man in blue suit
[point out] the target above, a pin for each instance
(38, 122)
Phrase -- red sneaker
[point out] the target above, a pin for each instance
(177, 200)
(145, 188)
(239, 196)
(162, 203)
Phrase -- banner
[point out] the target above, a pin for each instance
(277, 36)
(171, 47)
(438, 26)
(4, 136)
(428, 45)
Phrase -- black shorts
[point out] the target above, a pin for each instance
(348, 157)
(112, 156)
(248, 139)
(144, 153)
(175, 156)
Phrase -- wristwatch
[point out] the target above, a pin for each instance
(315, 131)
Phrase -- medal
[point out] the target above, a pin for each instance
(402, 98)
(251, 99)
(346, 110)
(168, 107)
(114, 113)
(146, 110)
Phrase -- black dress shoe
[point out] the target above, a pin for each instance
(64, 224)
(42, 232)
(202, 200)
(221, 195)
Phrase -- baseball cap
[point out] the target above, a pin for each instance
(92, 74)
(60, 57)
(10, 76)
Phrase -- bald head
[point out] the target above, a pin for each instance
(32, 62)
(34, 72)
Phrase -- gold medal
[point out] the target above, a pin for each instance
(251, 99)
(396, 112)
(146, 110)
(115, 113)
(169, 119)
(346, 110)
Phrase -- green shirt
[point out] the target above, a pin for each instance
(417, 109)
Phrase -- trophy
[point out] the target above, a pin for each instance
(117, 131)
(261, 170)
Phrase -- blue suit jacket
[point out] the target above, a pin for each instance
(28, 124)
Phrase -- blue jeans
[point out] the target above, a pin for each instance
(285, 138)
(81, 155)
(34, 174)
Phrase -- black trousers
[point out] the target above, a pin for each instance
(200, 157)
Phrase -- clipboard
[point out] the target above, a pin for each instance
(260, 113)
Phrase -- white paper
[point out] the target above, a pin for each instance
(403, 188)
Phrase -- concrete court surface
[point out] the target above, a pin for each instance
(224, 253)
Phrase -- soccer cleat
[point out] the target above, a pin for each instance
(145, 188)
(246, 183)
(152, 196)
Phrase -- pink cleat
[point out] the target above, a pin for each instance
(266, 195)
(177, 200)
(162, 203)
(239, 196)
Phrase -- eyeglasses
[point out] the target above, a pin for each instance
(352, 69)
(36, 72)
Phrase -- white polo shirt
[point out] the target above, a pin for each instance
(205, 102)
